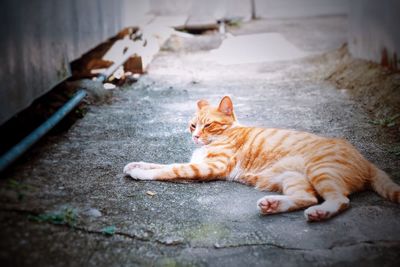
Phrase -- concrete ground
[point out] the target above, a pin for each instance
(199, 224)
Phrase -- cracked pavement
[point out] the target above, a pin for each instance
(200, 224)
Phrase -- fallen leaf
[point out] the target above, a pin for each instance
(151, 193)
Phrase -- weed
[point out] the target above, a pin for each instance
(386, 122)
(395, 150)
(66, 216)
(80, 112)
(19, 188)
(234, 22)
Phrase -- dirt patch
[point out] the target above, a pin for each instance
(375, 87)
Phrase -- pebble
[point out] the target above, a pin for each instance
(92, 212)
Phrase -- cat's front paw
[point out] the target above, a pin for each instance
(140, 165)
(140, 174)
(130, 166)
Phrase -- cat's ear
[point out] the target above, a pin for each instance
(202, 103)
(226, 106)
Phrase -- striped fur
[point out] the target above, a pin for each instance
(302, 166)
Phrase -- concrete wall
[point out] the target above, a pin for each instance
(374, 32)
(38, 40)
(215, 9)
(299, 8)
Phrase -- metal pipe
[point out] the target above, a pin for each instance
(11, 155)
(15, 152)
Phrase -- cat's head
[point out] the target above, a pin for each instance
(211, 122)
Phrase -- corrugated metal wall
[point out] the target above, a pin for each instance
(38, 40)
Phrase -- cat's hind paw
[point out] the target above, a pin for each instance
(273, 204)
(313, 214)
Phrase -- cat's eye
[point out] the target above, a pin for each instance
(207, 125)
(193, 126)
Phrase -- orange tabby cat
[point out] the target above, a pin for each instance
(301, 165)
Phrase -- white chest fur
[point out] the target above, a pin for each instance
(198, 155)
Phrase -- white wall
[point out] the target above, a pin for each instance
(374, 28)
(135, 12)
(299, 8)
(216, 9)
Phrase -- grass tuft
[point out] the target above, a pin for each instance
(19, 188)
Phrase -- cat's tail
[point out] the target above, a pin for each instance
(385, 186)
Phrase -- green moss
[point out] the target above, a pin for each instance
(67, 216)
(208, 234)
